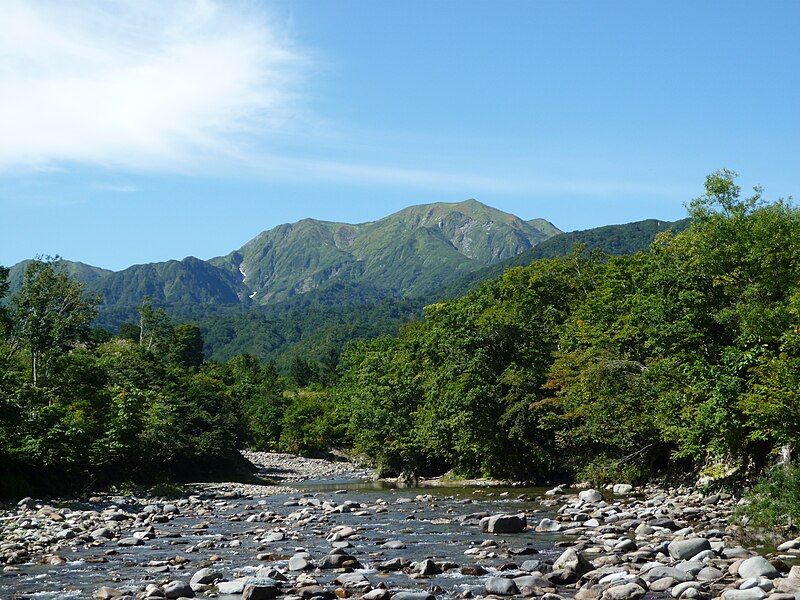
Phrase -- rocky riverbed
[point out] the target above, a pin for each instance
(321, 542)
(283, 467)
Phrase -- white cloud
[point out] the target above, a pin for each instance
(140, 84)
(195, 87)
(119, 188)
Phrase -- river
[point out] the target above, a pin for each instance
(428, 522)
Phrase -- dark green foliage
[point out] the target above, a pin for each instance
(129, 331)
(774, 501)
(629, 238)
(608, 367)
(305, 425)
(302, 371)
(605, 367)
(186, 345)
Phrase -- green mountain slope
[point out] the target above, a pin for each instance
(627, 238)
(410, 253)
(78, 270)
(305, 287)
(311, 323)
(188, 281)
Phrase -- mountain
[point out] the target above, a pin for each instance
(628, 238)
(307, 287)
(188, 281)
(78, 270)
(410, 253)
(310, 324)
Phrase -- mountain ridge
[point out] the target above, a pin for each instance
(410, 252)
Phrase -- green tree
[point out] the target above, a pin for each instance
(50, 314)
(186, 345)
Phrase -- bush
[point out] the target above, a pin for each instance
(601, 471)
(774, 500)
(305, 425)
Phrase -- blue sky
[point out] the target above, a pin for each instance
(140, 131)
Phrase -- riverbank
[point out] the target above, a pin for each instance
(282, 467)
(391, 543)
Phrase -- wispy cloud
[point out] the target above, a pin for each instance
(196, 87)
(139, 84)
(115, 187)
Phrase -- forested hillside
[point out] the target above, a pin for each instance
(586, 365)
(605, 367)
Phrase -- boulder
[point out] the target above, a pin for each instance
(751, 594)
(205, 577)
(574, 561)
(501, 586)
(232, 587)
(299, 562)
(660, 572)
(530, 582)
(757, 566)
(260, 591)
(130, 541)
(178, 589)
(337, 561)
(709, 574)
(626, 591)
(681, 588)
(408, 595)
(106, 593)
(686, 549)
(427, 567)
(504, 524)
(548, 525)
(590, 495)
(395, 564)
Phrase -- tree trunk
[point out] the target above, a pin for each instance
(785, 457)
(34, 365)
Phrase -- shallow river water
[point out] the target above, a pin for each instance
(429, 529)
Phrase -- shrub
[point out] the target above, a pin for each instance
(774, 500)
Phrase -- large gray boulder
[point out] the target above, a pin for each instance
(204, 577)
(178, 589)
(504, 524)
(233, 587)
(626, 591)
(531, 581)
(686, 549)
(590, 495)
(661, 572)
(299, 562)
(574, 561)
(749, 594)
(408, 595)
(501, 586)
(107, 593)
(260, 591)
(757, 566)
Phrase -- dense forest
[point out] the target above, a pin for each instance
(610, 367)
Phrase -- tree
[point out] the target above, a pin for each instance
(186, 345)
(155, 328)
(50, 313)
(3, 292)
(302, 371)
(129, 331)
